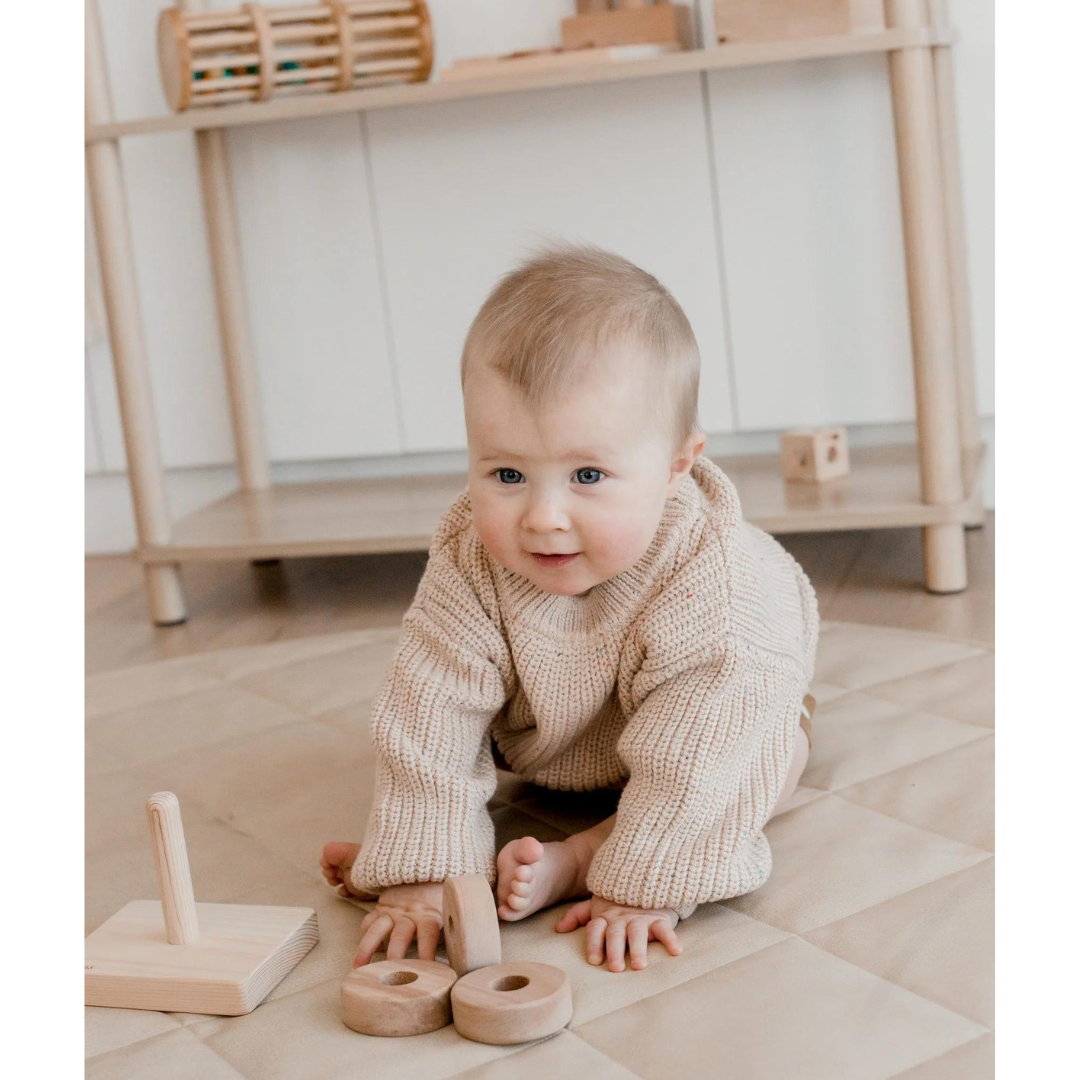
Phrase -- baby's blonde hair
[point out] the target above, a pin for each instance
(544, 321)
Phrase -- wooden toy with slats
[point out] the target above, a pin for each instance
(258, 52)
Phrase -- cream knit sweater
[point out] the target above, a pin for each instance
(679, 680)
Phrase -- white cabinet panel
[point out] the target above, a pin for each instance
(812, 241)
(493, 27)
(310, 264)
(464, 188)
(973, 66)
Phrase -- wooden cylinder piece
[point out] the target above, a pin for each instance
(511, 1003)
(470, 923)
(173, 872)
(397, 997)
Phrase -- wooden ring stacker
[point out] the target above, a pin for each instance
(470, 923)
(397, 997)
(511, 1003)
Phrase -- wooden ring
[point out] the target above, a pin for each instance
(470, 923)
(397, 997)
(511, 1003)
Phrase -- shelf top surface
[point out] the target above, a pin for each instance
(401, 513)
(690, 60)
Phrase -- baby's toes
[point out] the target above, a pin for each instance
(519, 895)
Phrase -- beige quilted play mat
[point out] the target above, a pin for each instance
(867, 954)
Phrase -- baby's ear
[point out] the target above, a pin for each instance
(683, 461)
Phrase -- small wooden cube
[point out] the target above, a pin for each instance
(815, 455)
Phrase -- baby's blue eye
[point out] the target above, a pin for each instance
(589, 472)
(499, 472)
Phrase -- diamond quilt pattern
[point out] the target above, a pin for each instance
(867, 954)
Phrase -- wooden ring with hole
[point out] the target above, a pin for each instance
(470, 923)
(397, 997)
(511, 1003)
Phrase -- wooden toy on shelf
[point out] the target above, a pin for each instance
(397, 997)
(511, 1003)
(746, 21)
(258, 52)
(177, 955)
(631, 24)
(806, 454)
(534, 60)
(470, 923)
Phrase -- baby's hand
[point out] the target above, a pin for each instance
(624, 926)
(402, 911)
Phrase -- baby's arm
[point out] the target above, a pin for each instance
(708, 750)
(434, 770)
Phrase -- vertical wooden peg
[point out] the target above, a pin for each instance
(173, 872)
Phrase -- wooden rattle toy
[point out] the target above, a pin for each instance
(256, 52)
(180, 956)
(511, 1003)
(814, 455)
(470, 923)
(397, 997)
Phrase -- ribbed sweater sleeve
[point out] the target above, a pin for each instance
(434, 770)
(707, 762)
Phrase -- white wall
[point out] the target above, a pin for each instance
(765, 198)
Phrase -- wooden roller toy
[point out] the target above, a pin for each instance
(179, 956)
(511, 1003)
(397, 997)
(470, 923)
(257, 52)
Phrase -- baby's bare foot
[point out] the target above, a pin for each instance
(336, 862)
(534, 875)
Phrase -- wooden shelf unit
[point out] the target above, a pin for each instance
(933, 485)
(347, 517)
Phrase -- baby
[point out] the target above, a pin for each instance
(594, 613)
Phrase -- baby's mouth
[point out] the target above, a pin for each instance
(554, 560)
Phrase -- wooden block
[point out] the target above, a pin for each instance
(470, 923)
(243, 951)
(511, 1003)
(175, 955)
(661, 23)
(815, 455)
(780, 20)
(397, 997)
(588, 7)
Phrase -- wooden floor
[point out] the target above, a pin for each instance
(861, 576)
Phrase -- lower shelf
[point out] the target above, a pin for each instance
(347, 517)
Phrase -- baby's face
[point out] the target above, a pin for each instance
(586, 476)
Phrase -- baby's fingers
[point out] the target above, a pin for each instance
(594, 940)
(427, 938)
(373, 938)
(637, 936)
(616, 944)
(400, 938)
(577, 916)
(662, 930)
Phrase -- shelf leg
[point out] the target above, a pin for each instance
(918, 151)
(223, 237)
(127, 340)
